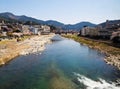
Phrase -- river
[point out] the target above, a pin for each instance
(65, 64)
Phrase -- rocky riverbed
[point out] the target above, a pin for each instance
(36, 44)
(113, 60)
(12, 49)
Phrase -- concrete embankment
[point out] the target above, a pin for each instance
(112, 53)
(12, 49)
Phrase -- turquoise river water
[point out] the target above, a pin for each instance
(64, 64)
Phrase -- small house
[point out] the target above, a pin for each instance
(36, 29)
(26, 30)
(45, 30)
(85, 31)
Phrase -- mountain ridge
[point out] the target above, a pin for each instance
(24, 18)
(110, 22)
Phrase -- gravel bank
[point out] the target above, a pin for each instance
(10, 50)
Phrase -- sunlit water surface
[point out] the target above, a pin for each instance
(64, 64)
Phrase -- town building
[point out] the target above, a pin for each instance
(89, 31)
(26, 30)
(45, 29)
(108, 30)
(85, 31)
(93, 31)
(35, 29)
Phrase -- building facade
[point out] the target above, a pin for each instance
(89, 31)
(26, 30)
(45, 29)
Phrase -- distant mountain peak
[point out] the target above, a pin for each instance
(7, 13)
(25, 18)
(23, 15)
(55, 23)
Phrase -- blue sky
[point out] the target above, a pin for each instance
(66, 11)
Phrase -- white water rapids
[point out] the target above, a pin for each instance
(91, 84)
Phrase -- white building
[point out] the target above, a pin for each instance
(89, 31)
(2, 23)
(26, 29)
(45, 29)
(34, 30)
(116, 33)
(85, 31)
(4, 33)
